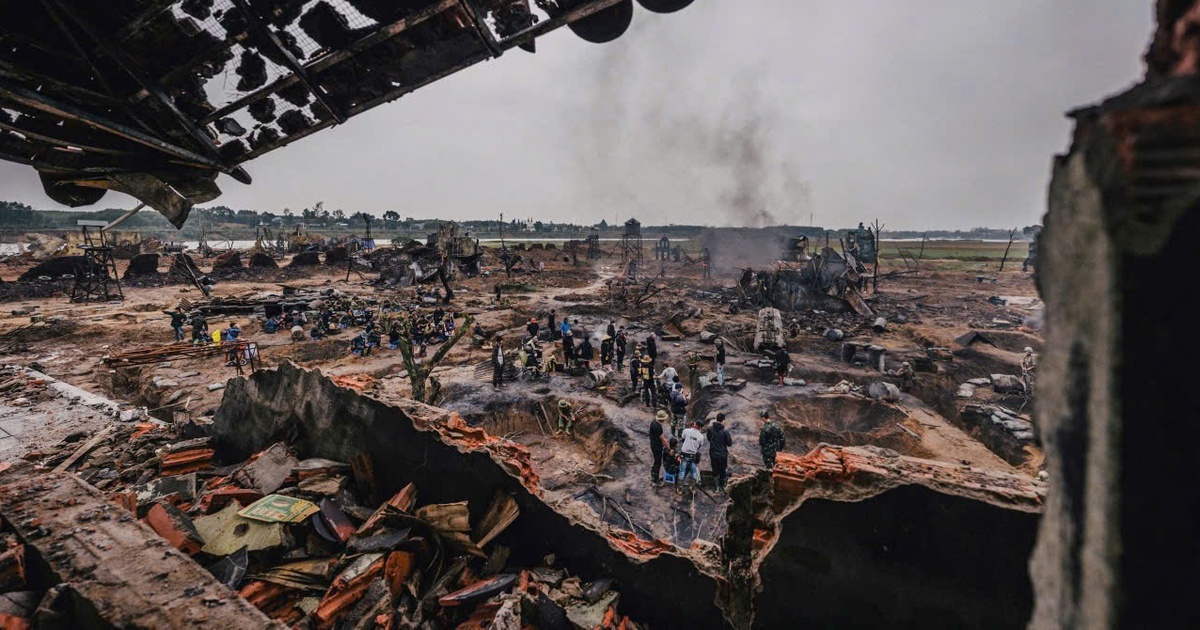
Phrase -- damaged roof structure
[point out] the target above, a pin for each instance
(134, 96)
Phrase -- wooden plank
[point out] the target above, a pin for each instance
(85, 449)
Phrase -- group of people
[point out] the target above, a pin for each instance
(201, 333)
(677, 458)
(329, 316)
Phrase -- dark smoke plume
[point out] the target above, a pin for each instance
(677, 145)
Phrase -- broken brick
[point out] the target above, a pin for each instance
(187, 461)
(348, 588)
(175, 527)
(12, 568)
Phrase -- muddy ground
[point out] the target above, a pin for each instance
(606, 463)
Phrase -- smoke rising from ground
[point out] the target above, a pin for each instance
(659, 146)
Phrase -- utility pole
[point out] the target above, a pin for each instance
(878, 247)
(504, 249)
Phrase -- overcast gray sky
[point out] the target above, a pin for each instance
(922, 113)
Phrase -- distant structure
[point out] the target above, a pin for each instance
(662, 251)
(632, 248)
(593, 245)
(96, 279)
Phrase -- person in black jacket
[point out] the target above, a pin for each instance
(783, 362)
(606, 351)
(498, 363)
(651, 350)
(586, 353)
(178, 319)
(657, 443)
(619, 347)
(719, 442)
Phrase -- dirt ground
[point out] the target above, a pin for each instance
(606, 464)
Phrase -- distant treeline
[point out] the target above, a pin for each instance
(223, 221)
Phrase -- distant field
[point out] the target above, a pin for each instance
(976, 251)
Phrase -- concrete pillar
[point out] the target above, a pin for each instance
(1119, 419)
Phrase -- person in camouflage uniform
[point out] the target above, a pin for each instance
(646, 376)
(1028, 369)
(566, 416)
(770, 439)
(693, 366)
(908, 378)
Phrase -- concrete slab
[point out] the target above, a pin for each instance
(121, 573)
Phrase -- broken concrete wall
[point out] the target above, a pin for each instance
(406, 443)
(908, 557)
(863, 537)
(97, 555)
(1117, 420)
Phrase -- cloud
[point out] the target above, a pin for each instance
(924, 113)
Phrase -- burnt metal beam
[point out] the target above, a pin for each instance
(83, 55)
(35, 100)
(485, 34)
(362, 107)
(327, 61)
(134, 26)
(130, 67)
(47, 159)
(62, 88)
(61, 142)
(296, 67)
(562, 19)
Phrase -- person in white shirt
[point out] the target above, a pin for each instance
(693, 441)
(667, 377)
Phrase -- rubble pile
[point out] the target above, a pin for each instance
(1006, 433)
(300, 539)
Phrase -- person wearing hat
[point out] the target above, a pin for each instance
(646, 376)
(532, 328)
(606, 350)
(658, 442)
(720, 361)
(566, 416)
(908, 377)
(1028, 369)
(770, 439)
(635, 367)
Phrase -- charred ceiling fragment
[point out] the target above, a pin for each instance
(155, 98)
